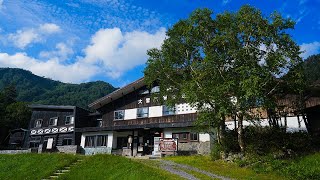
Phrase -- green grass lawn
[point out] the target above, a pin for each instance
(115, 167)
(32, 166)
(304, 167)
(230, 170)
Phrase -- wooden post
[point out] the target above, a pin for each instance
(132, 143)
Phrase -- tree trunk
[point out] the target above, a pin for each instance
(221, 132)
(240, 134)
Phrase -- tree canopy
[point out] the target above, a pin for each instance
(226, 65)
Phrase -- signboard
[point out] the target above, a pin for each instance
(49, 143)
(168, 144)
(156, 149)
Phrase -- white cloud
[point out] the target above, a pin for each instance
(49, 28)
(309, 49)
(62, 52)
(23, 38)
(110, 53)
(118, 51)
(75, 73)
(1, 2)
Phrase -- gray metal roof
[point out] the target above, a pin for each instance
(41, 106)
(118, 93)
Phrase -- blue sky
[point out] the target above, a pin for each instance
(87, 40)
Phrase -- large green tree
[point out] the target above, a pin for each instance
(13, 114)
(228, 65)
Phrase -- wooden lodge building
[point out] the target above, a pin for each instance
(133, 122)
(130, 122)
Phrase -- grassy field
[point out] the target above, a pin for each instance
(222, 168)
(115, 167)
(32, 166)
(304, 167)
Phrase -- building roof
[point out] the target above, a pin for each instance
(118, 93)
(40, 106)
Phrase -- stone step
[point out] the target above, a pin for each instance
(58, 173)
(62, 170)
(54, 177)
(67, 167)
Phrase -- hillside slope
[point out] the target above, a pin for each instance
(40, 90)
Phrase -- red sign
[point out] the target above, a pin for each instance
(168, 144)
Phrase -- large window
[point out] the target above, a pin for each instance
(67, 141)
(38, 123)
(53, 121)
(119, 115)
(69, 120)
(96, 141)
(142, 112)
(168, 111)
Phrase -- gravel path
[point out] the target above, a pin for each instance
(173, 167)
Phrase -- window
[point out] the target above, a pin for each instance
(69, 120)
(99, 122)
(89, 142)
(186, 137)
(168, 111)
(102, 140)
(53, 121)
(96, 141)
(67, 141)
(155, 89)
(119, 115)
(194, 137)
(142, 112)
(38, 123)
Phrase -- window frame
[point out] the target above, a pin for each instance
(38, 120)
(114, 115)
(147, 113)
(187, 138)
(192, 135)
(65, 120)
(95, 141)
(56, 121)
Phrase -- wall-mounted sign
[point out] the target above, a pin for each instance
(168, 144)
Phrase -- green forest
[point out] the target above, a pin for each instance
(39, 90)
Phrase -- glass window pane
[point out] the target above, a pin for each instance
(89, 142)
(142, 112)
(119, 115)
(102, 140)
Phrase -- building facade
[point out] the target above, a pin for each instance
(52, 128)
(132, 122)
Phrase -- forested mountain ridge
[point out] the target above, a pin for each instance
(312, 69)
(39, 90)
